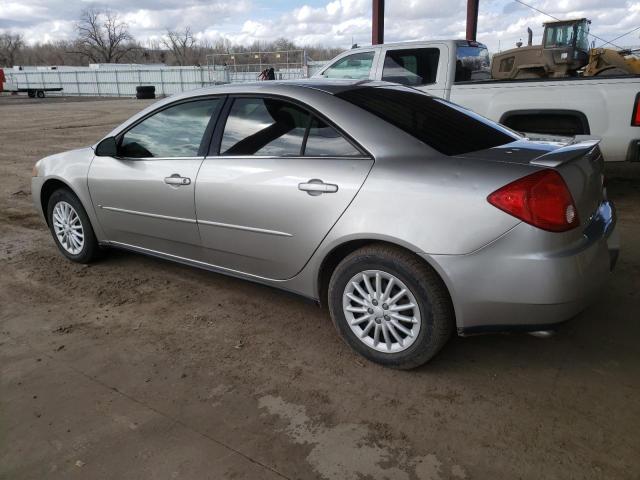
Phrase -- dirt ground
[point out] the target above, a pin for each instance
(138, 368)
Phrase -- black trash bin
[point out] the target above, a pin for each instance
(145, 92)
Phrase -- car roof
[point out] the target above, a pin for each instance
(328, 86)
(411, 43)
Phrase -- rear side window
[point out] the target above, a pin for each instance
(417, 66)
(448, 128)
(356, 66)
(273, 127)
(264, 126)
(325, 141)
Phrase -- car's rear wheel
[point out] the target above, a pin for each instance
(71, 228)
(390, 307)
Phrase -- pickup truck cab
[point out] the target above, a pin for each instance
(459, 71)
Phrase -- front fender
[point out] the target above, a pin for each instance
(71, 169)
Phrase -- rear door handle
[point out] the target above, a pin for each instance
(316, 187)
(176, 179)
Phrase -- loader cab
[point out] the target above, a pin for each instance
(567, 43)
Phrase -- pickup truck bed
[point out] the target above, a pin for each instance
(600, 106)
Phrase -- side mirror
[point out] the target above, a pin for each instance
(107, 148)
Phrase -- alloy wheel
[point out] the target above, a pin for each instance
(67, 227)
(381, 311)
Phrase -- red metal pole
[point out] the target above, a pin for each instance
(472, 19)
(377, 30)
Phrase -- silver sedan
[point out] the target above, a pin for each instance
(409, 217)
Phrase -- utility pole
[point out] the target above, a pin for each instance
(472, 19)
(377, 30)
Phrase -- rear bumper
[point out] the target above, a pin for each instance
(530, 279)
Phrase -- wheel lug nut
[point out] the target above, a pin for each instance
(387, 318)
(378, 320)
(375, 302)
(385, 306)
(370, 310)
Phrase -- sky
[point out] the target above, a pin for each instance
(322, 22)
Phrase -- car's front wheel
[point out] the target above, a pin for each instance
(390, 307)
(71, 228)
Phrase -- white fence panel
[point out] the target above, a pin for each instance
(122, 82)
(115, 82)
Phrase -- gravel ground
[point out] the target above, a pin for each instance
(138, 368)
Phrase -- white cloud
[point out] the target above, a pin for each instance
(334, 23)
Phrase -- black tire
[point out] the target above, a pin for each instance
(40, 94)
(145, 89)
(90, 249)
(145, 92)
(432, 297)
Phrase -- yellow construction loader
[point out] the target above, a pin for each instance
(564, 52)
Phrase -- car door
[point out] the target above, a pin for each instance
(279, 180)
(424, 68)
(144, 197)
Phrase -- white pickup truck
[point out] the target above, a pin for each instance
(458, 70)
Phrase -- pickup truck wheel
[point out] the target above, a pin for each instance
(390, 307)
(71, 228)
(40, 94)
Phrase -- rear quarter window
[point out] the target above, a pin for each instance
(447, 128)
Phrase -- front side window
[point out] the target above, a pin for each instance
(173, 132)
(264, 126)
(356, 66)
(448, 128)
(582, 37)
(417, 66)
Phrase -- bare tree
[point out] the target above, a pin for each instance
(103, 37)
(64, 52)
(10, 46)
(181, 44)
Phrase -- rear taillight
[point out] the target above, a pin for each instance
(635, 116)
(541, 199)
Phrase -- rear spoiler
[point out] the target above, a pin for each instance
(580, 146)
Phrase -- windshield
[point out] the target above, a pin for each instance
(472, 63)
(446, 127)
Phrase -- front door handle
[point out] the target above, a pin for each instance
(316, 187)
(176, 179)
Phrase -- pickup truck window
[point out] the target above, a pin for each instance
(356, 66)
(447, 128)
(472, 63)
(416, 66)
